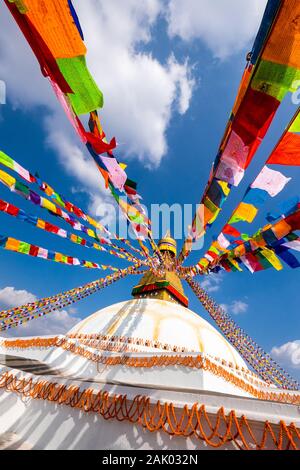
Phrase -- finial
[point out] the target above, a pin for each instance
(167, 243)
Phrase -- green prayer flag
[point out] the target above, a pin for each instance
(22, 188)
(86, 96)
(24, 248)
(6, 160)
(275, 79)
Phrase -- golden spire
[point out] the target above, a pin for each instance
(167, 286)
(167, 243)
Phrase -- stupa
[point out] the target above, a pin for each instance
(146, 373)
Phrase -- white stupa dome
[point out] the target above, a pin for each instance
(157, 324)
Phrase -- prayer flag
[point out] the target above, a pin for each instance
(244, 212)
(287, 152)
(271, 181)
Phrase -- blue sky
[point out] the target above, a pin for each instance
(169, 78)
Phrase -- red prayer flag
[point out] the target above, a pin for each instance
(254, 117)
(229, 230)
(288, 151)
(33, 250)
(254, 262)
(294, 220)
(212, 254)
(238, 242)
(12, 210)
(3, 206)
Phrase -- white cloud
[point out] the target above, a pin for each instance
(141, 94)
(288, 354)
(236, 307)
(212, 283)
(55, 323)
(226, 27)
(58, 322)
(11, 297)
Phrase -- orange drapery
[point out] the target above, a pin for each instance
(283, 46)
(54, 22)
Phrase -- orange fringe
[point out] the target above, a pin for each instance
(95, 339)
(198, 362)
(112, 344)
(190, 422)
(32, 342)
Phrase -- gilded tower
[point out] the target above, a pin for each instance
(167, 286)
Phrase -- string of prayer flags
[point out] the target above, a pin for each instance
(19, 246)
(272, 70)
(256, 357)
(15, 211)
(268, 242)
(268, 183)
(49, 191)
(60, 201)
(25, 192)
(257, 252)
(19, 315)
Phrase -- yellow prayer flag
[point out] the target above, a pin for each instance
(7, 179)
(48, 205)
(244, 212)
(272, 258)
(91, 233)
